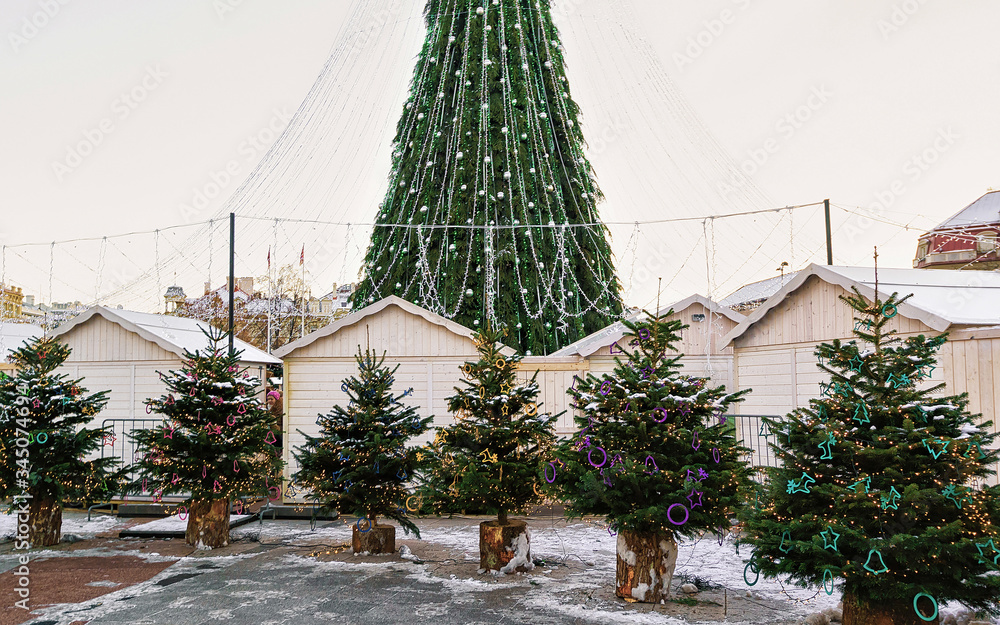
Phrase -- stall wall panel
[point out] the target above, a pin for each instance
(768, 372)
(813, 313)
(395, 331)
(100, 340)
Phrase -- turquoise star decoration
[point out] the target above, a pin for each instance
(827, 447)
(994, 552)
(903, 380)
(856, 363)
(861, 414)
(866, 481)
(830, 538)
(889, 501)
(868, 563)
(801, 485)
(933, 452)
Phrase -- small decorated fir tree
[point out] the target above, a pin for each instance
(44, 440)
(488, 459)
(360, 463)
(655, 456)
(875, 492)
(217, 442)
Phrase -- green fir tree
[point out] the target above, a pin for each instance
(44, 440)
(487, 461)
(217, 444)
(360, 463)
(875, 493)
(655, 455)
(491, 213)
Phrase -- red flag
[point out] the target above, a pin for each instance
(269, 259)
(302, 256)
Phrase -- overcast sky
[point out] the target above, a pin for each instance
(854, 101)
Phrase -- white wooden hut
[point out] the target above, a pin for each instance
(122, 351)
(13, 336)
(774, 346)
(701, 343)
(428, 348)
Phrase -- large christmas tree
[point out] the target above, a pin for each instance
(491, 212)
(360, 462)
(875, 493)
(44, 440)
(655, 456)
(217, 442)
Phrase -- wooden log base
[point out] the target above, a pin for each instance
(208, 524)
(858, 612)
(380, 539)
(44, 522)
(645, 566)
(499, 545)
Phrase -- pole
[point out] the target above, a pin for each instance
(232, 275)
(829, 234)
(303, 297)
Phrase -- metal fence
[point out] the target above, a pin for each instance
(753, 433)
(118, 443)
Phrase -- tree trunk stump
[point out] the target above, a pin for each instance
(645, 566)
(505, 547)
(44, 522)
(379, 539)
(208, 524)
(858, 612)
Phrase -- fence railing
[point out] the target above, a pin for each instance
(118, 443)
(753, 433)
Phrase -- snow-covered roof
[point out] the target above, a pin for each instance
(367, 311)
(614, 332)
(940, 299)
(756, 291)
(279, 306)
(174, 334)
(13, 336)
(985, 210)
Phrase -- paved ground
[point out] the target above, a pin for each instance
(284, 573)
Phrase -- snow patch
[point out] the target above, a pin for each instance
(406, 554)
(623, 551)
(521, 546)
(639, 592)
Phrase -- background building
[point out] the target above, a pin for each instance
(966, 240)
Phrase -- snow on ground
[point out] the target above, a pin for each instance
(577, 557)
(76, 524)
(595, 549)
